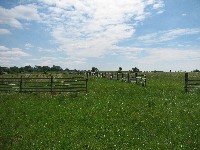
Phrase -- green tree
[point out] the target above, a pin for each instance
(135, 69)
(46, 68)
(56, 68)
(4, 69)
(94, 69)
(38, 69)
(196, 70)
(28, 68)
(14, 69)
(66, 69)
(120, 69)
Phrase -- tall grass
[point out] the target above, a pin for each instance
(114, 115)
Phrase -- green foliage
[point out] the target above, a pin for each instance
(120, 69)
(196, 70)
(30, 69)
(135, 69)
(94, 69)
(114, 115)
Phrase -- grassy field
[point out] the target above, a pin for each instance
(114, 115)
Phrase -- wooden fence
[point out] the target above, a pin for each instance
(192, 82)
(131, 77)
(52, 85)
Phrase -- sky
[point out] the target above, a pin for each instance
(106, 34)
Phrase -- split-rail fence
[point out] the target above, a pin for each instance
(52, 85)
(192, 82)
(130, 77)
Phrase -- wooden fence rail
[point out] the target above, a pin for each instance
(192, 82)
(52, 85)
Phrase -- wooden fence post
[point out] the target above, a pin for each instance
(20, 86)
(122, 75)
(128, 77)
(145, 80)
(51, 84)
(87, 74)
(136, 78)
(86, 86)
(117, 76)
(186, 82)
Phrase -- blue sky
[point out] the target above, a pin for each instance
(107, 34)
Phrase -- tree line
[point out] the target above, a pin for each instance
(30, 69)
(54, 68)
(45, 69)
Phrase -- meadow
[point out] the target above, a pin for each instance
(113, 115)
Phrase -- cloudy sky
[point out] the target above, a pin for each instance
(107, 34)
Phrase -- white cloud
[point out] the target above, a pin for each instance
(185, 59)
(40, 49)
(163, 36)
(173, 54)
(158, 4)
(8, 61)
(13, 16)
(28, 46)
(7, 52)
(71, 62)
(3, 48)
(160, 12)
(4, 31)
(83, 28)
(11, 55)
(167, 54)
(91, 28)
